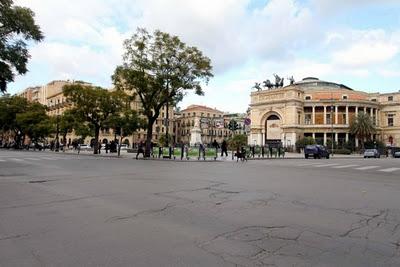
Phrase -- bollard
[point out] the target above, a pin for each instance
(253, 150)
(262, 151)
(159, 151)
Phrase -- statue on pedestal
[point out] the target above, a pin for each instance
(195, 133)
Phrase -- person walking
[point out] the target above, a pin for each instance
(140, 150)
(224, 148)
(107, 146)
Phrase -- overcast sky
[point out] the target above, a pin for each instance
(354, 42)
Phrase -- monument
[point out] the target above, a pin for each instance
(195, 133)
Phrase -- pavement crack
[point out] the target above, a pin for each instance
(13, 237)
(144, 212)
(51, 202)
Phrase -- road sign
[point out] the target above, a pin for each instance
(247, 121)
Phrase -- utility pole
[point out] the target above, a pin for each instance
(332, 133)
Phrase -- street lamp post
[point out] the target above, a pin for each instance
(167, 130)
(332, 133)
(57, 132)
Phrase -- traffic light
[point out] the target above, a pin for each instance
(233, 125)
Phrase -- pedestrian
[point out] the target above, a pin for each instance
(107, 146)
(202, 151)
(224, 148)
(99, 146)
(140, 150)
(215, 144)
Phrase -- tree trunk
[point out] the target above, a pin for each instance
(149, 136)
(120, 142)
(96, 140)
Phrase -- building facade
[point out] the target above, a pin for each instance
(51, 95)
(213, 124)
(322, 110)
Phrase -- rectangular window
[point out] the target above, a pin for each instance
(373, 100)
(390, 98)
(308, 97)
(344, 97)
(344, 118)
(308, 119)
(298, 118)
(328, 119)
(390, 120)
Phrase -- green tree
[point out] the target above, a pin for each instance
(17, 27)
(67, 123)
(163, 140)
(10, 106)
(362, 127)
(125, 123)
(303, 142)
(93, 105)
(160, 68)
(237, 141)
(34, 122)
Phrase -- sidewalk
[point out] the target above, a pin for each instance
(125, 154)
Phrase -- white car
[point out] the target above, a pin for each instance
(124, 147)
(84, 147)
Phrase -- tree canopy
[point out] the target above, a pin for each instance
(362, 127)
(17, 27)
(160, 68)
(125, 123)
(94, 105)
(34, 122)
(18, 115)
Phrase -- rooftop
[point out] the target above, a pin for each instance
(315, 82)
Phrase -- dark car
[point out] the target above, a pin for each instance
(316, 151)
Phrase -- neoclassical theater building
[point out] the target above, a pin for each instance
(322, 110)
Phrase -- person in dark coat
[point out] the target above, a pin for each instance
(224, 148)
(215, 144)
(140, 149)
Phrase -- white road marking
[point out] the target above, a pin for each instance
(307, 164)
(345, 166)
(367, 168)
(16, 159)
(32, 159)
(2, 160)
(48, 158)
(389, 170)
(325, 165)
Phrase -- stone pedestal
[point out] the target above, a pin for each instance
(195, 134)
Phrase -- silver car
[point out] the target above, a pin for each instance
(371, 153)
(396, 154)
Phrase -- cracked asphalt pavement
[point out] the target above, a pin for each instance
(70, 210)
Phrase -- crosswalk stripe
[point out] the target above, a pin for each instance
(389, 170)
(325, 165)
(367, 168)
(2, 160)
(48, 158)
(345, 166)
(306, 164)
(16, 159)
(32, 159)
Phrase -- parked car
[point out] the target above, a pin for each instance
(396, 154)
(84, 147)
(372, 153)
(316, 151)
(124, 147)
